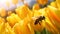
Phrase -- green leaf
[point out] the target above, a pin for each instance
(37, 32)
(45, 31)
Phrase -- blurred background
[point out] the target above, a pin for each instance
(13, 4)
(8, 4)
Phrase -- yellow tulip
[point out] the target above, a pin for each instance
(12, 19)
(2, 20)
(9, 13)
(58, 4)
(23, 11)
(54, 4)
(7, 3)
(7, 29)
(23, 27)
(2, 26)
(35, 7)
(3, 12)
(15, 1)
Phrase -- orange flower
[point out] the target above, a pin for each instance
(43, 2)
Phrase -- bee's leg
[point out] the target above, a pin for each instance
(40, 22)
(36, 22)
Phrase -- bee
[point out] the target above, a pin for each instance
(38, 20)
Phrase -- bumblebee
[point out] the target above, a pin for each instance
(38, 20)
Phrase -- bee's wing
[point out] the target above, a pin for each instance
(34, 18)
